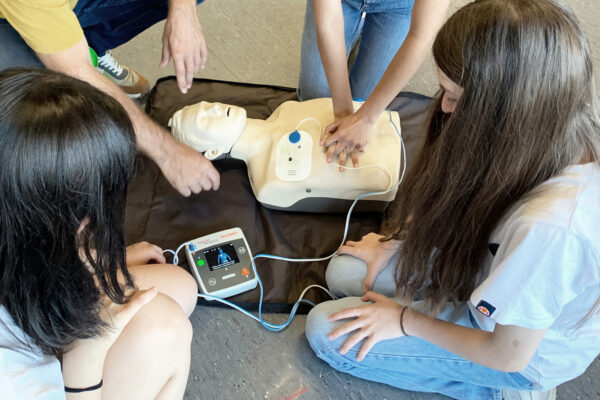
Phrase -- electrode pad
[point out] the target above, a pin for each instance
(294, 156)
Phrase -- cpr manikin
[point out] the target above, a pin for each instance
(286, 165)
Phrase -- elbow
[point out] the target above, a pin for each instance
(511, 363)
(420, 39)
(512, 367)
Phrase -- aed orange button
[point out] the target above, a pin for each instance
(245, 271)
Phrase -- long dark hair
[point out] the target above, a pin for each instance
(66, 154)
(528, 110)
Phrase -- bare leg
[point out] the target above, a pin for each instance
(169, 279)
(151, 358)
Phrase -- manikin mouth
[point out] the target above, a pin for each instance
(228, 108)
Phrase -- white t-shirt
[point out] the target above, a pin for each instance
(26, 375)
(545, 274)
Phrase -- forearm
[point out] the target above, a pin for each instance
(476, 345)
(404, 65)
(175, 3)
(150, 137)
(82, 367)
(329, 22)
(427, 18)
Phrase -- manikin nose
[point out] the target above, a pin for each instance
(215, 110)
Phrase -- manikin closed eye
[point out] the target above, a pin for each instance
(289, 141)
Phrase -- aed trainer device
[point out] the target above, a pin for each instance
(222, 263)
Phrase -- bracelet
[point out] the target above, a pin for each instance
(87, 389)
(402, 321)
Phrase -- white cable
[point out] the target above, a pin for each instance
(380, 166)
(310, 119)
(259, 319)
(169, 251)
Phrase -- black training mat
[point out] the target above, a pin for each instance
(157, 213)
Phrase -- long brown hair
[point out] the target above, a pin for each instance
(528, 110)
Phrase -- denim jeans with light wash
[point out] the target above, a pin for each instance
(408, 363)
(381, 26)
(106, 24)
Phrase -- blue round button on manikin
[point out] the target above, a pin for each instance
(294, 137)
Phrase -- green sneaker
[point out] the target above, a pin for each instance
(132, 83)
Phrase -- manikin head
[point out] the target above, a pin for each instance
(205, 126)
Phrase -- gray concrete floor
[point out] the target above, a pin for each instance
(233, 358)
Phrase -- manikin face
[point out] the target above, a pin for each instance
(208, 126)
(218, 117)
(452, 92)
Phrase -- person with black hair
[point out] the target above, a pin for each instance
(72, 296)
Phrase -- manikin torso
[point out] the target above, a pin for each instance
(287, 167)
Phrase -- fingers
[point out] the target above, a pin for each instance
(166, 54)
(349, 250)
(342, 160)
(331, 138)
(197, 62)
(180, 72)
(328, 132)
(353, 340)
(157, 255)
(347, 327)
(184, 190)
(372, 274)
(339, 147)
(366, 347)
(347, 313)
(214, 177)
(211, 180)
(373, 297)
(139, 299)
(189, 171)
(203, 53)
(333, 150)
(190, 70)
(354, 157)
(330, 151)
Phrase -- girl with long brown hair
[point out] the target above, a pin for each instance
(486, 282)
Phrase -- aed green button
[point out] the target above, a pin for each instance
(200, 263)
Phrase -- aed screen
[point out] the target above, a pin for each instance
(221, 256)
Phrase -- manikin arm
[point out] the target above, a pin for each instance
(187, 170)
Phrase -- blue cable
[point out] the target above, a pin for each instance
(279, 327)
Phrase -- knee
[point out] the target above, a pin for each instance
(158, 331)
(345, 276)
(189, 292)
(182, 287)
(318, 327)
(166, 328)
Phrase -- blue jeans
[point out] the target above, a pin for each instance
(408, 362)
(381, 26)
(106, 24)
